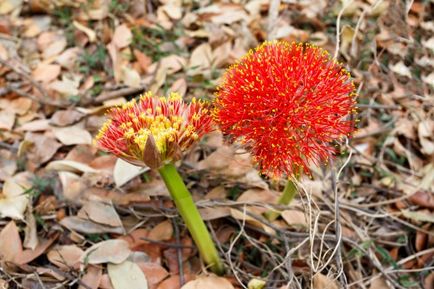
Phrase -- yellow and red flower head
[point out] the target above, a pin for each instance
(152, 130)
(288, 102)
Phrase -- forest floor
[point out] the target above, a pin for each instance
(69, 213)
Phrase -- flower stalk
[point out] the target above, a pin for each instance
(190, 214)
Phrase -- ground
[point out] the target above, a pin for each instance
(75, 217)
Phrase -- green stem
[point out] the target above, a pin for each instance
(189, 213)
(285, 198)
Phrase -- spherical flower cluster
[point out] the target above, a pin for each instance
(288, 102)
(153, 131)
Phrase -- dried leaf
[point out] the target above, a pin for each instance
(69, 166)
(7, 119)
(110, 251)
(46, 72)
(122, 36)
(88, 227)
(10, 242)
(100, 212)
(124, 172)
(92, 278)
(127, 275)
(65, 257)
(65, 117)
(13, 201)
(420, 216)
(321, 281)
(72, 135)
(161, 232)
(209, 282)
(294, 218)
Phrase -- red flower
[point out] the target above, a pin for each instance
(154, 130)
(288, 102)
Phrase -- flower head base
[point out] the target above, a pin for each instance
(288, 102)
(153, 131)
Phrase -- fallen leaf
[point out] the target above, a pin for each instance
(130, 77)
(46, 72)
(423, 199)
(7, 119)
(425, 133)
(65, 257)
(65, 117)
(162, 232)
(379, 283)
(420, 216)
(13, 200)
(69, 166)
(209, 282)
(124, 172)
(51, 43)
(72, 135)
(8, 6)
(100, 212)
(211, 213)
(75, 223)
(173, 282)
(92, 278)
(66, 87)
(401, 69)
(10, 242)
(86, 30)
(144, 60)
(122, 36)
(110, 251)
(294, 218)
(127, 275)
(321, 281)
(8, 164)
(36, 125)
(43, 148)
(154, 273)
(29, 255)
(200, 58)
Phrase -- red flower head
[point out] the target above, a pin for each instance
(154, 130)
(288, 102)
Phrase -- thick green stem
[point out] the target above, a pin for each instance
(285, 198)
(188, 210)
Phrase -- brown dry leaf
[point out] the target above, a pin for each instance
(51, 43)
(86, 30)
(401, 69)
(20, 105)
(130, 77)
(8, 164)
(66, 117)
(43, 148)
(46, 72)
(209, 214)
(379, 283)
(172, 63)
(65, 257)
(154, 273)
(13, 200)
(116, 61)
(239, 215)
(294, 218)
(209, 282)
(143, 60)
(92, 278)
(35, 125)
(173, 9)
(161, 232)
(100, 212)
(29, 255)
(31, 234)
(66, 87)
(419, 216)
(10, 242)
(426, 133)
(69, 57)
(124, 172)
(258, 196)
(8, 6)
(122, 36)
(321, 281)
(74, 223)
(110, 251)
(200, 59)
(423, 199)
(224, 13)
(7, 119)
(127, 275)
(173, 282)
(70, 166)
(179, 86)
(72, 135)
